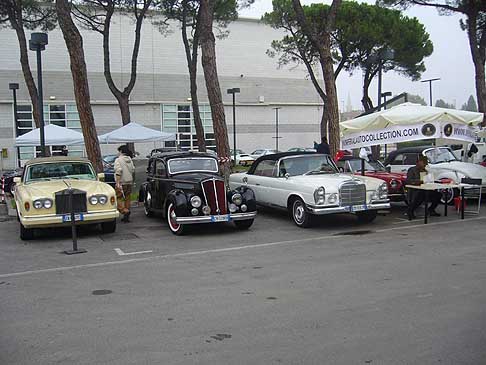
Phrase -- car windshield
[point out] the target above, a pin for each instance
(438, 155)
(110, 159)
(199, 164)
(374, 166)
(310, 165)
(60, 170)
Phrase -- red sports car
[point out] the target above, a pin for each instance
(394, 180)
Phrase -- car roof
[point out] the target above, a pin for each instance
(181, 154)
(278, 156)
(415, 149)
(55, 159)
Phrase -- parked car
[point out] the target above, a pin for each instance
(187, 189)
(109, 170)
(395, 181)
(262, 152)
(242, 158)
(308, 184)
(301, 149)
(41, 195)
(443, 164)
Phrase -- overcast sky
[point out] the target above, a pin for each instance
(451, 61)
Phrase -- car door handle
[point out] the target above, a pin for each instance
(257, 184)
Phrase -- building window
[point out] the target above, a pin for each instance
(179, 119)
(63, 115)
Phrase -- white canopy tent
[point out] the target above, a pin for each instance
(135, 133)
(54, 136)
(409, 122)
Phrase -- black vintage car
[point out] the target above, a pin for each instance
(187, 189)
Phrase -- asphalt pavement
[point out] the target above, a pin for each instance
(390, 292)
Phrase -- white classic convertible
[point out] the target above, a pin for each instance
(308, 184)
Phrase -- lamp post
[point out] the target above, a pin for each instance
(385, 55)
(234, 91)
(384, 96)
(14, 87)
(276, 127)
(430, 81)
(37, 43)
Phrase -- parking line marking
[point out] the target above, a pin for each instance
(121, 253)
(217, 250)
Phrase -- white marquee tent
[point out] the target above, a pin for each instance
(409, 122)
(54, 136)
(135, 133)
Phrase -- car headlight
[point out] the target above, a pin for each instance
(233, 208)
(206, 210)
(196, 201)
(383, 191)
(394, 184)
(38, 204)
(102, 199)
(332, 199)
(47, 203)
(320, 195)
(93, 200)
(237, 199)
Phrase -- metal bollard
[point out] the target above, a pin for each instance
(74, 233)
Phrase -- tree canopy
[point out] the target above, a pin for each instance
(442, 104)
(361, 36)
(470, 105)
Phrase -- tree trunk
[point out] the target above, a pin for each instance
(192, 67)
(124, 105)
(478, 53)
(212, 84)
(332, 105)
(29, 79)
(74, 44)
(366, 100)
(324, 122)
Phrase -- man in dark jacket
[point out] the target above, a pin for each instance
(417, 197)
(323, 147)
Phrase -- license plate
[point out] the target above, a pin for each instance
(220, 218)
(357, 208)
(77, 217)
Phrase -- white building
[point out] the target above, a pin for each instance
(160, 99)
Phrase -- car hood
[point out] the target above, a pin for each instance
(468, 169)
(387, 175)
(335, 179)
(47, 189)
(195, 177)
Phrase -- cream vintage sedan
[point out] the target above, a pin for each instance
(308, 184)
(42, 195)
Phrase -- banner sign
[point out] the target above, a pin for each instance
(406, 133)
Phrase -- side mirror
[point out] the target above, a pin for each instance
(17, 180)
(388, 168)
(101, 176)
(287, 175)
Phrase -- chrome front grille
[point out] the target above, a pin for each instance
(215, 195)
(352, 193)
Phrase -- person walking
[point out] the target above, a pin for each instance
(124, 170)
(323, 147)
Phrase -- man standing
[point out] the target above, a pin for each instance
(323, 147)
(124, 170)
(417, 197)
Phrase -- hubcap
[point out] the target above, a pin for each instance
(172, 219)
(449, 195)
(299, 212)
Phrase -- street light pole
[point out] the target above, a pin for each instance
(14, 87)
(430, 81)
(38, 42)
(276, 127)
(234, 91)
(385, 95)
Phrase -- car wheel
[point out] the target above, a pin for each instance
(147, 203)
(108, 227)
(450, 194)
(177, 229)
(367, 216)
(242, 225)
(300, 216)
(26, 234)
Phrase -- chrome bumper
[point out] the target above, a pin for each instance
(338, 209)
(55, 220)
(216, 218)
